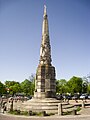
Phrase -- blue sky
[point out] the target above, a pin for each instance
(21, 31)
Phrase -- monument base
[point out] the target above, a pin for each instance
(45, 83)
(43, 95)
(49, 105)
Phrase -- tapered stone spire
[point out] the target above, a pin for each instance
(45, 29)
(45, 10)
(45, 85)
(45, 50)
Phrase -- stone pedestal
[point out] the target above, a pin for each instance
(49, 105)
(45, 85)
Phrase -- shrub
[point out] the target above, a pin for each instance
(78, 108)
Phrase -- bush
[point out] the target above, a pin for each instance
(78, 108)
(14, 112)
(18, 112)
(24, 113)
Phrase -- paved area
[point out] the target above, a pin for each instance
(56, 117)
(84, 114)
(78, 117)
(84, 111)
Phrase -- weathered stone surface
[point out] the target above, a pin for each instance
(45, 83)
(50, 105)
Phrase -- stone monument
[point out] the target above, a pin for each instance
(45, 84)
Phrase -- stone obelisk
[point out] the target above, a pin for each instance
(45, 85)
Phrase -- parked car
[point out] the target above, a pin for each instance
(88, 96)
(4, 97)
(65, 97)
(75, 97)
(84, 96)
(59, 97)
(69, 97)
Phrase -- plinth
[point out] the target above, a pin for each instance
(49, 105)
(45, 84)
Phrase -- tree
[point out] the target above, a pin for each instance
(2, 88)
(26, 87)
(16, 88)
(57, 86)
(61, 86)
(88, 88)
(13, 86)
(75, 85)
(32, 78)
(10, 83)
(85, 85)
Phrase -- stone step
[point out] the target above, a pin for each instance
(41, 104)
(69, 110)
(43, 108)
(68, 106)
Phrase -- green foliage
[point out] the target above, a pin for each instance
(75, 85)
(24, 113)
(78, 108)
(61, 86)
(16, 88)
(27, 87)
(85, 85)
(15, 112)
(13, 86)
(2, 88)
(88, 89)
(10, 83)
(67, 113)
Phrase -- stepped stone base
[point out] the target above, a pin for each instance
(50, 105)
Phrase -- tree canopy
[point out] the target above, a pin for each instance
(61, 86)
(2, 88)
(74, 85)
(27, 87)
